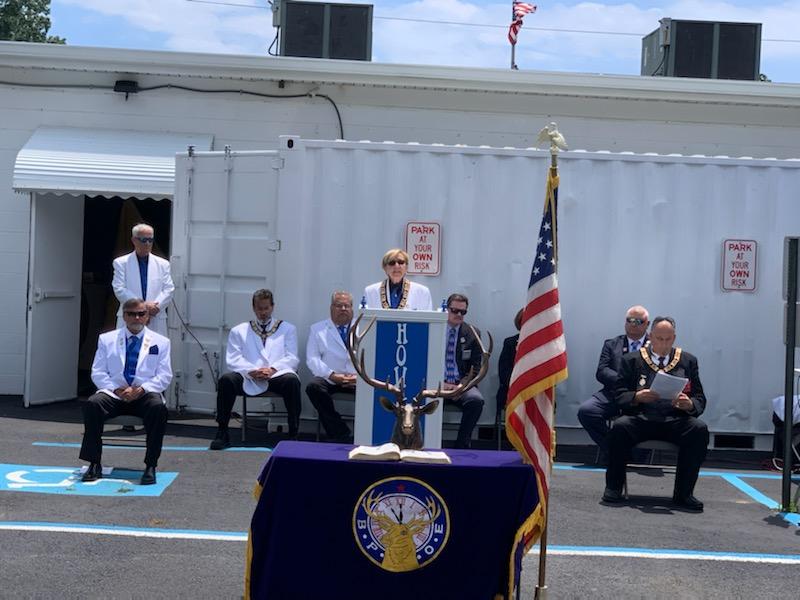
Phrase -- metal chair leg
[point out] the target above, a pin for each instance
(244, 418)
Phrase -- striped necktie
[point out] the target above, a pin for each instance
(131, 358)
(450, 367)
(634, 346)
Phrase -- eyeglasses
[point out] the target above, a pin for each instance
(342, 306)
(635, 321)
(396, 261)
(145, 240)
(457, 311)
(136, 313)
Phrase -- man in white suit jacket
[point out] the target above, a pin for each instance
(329, 361)
(396, 291)
(261, 356)
(142, 274)
(131, 369)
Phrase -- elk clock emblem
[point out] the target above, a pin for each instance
(401, 524)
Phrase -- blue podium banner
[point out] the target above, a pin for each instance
(401, 352)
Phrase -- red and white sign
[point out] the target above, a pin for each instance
(739, 265)
(424, 244)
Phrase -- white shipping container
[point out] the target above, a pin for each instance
(316, 216)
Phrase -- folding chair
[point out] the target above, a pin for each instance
(270, 403)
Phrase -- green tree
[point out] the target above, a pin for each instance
(26, 21)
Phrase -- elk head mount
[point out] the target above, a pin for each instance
(406, 432)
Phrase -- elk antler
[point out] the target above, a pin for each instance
(353, 345)
(472, 381)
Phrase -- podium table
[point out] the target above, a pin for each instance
(309, 537)
(402, 344)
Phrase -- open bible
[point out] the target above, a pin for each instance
(391, 451)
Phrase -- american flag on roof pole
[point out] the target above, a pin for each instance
(540, 362)
(518, 11)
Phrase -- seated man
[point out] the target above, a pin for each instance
(505, 364)
(646, 416)
(462, 360)
(131, 369)
(595, 412)
(261, 356)
(328, 360)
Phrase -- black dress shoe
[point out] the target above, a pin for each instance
(689, 503)
(221, 441)
(149, 476)
(93, 473)
(613, 496)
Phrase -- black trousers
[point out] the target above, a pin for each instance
(287, 386)
(320, 392)
(100, 406)
(471, 405)
(689, 433)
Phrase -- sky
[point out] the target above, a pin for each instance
(584, 37)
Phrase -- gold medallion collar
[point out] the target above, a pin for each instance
(645, 354)
(403, 298)
(264, 334)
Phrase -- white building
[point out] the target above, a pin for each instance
(88, 158)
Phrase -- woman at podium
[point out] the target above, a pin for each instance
(396, 291)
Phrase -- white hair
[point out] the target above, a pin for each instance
(137, 229)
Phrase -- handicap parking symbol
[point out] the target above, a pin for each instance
(67, 480)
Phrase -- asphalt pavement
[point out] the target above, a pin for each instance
(189, 541)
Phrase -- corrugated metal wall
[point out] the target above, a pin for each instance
(633, 229)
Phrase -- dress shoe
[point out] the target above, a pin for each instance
(613, 496)
(93, 473)
(149, 476)
(689, 503)
(221, 441)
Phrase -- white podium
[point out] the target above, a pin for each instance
(407, 344)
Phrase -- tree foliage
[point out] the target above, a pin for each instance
(26, 21)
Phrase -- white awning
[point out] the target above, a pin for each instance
(102, 162)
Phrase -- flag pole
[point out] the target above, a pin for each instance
(557, 143)
(514, 45)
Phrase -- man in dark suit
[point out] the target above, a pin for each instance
(647, 416)
(505, 364)
(595, 412)
(462, 360)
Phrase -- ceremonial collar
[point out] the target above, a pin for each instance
(403, 298)
(264, 334)
(645, 354)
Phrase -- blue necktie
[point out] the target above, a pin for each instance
(343, 332)
(143, 264)
(634, 346)
(131, 358)
(450, 367)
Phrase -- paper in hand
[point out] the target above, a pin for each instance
(668, 386)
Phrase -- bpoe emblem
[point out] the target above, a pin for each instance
(401, 524)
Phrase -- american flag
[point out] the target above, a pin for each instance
(519, 10)
(541, 360)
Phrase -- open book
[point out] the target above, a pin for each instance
(391, 451)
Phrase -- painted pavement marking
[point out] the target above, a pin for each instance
(237, 536)
(170, 448)
(66, 480)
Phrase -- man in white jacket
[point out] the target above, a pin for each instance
(142, 274)
(329, 361)
(261, 356)
(131, 369)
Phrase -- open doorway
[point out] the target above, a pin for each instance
(107, 224)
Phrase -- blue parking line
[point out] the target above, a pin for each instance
(756, 495)
(171, 448)
(152, 532)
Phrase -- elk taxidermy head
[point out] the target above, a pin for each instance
(407, 433)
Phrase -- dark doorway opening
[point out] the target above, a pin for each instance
(107, 227)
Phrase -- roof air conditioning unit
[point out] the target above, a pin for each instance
(703, 49)
(325, 30)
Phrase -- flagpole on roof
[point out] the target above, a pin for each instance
(513, 44)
